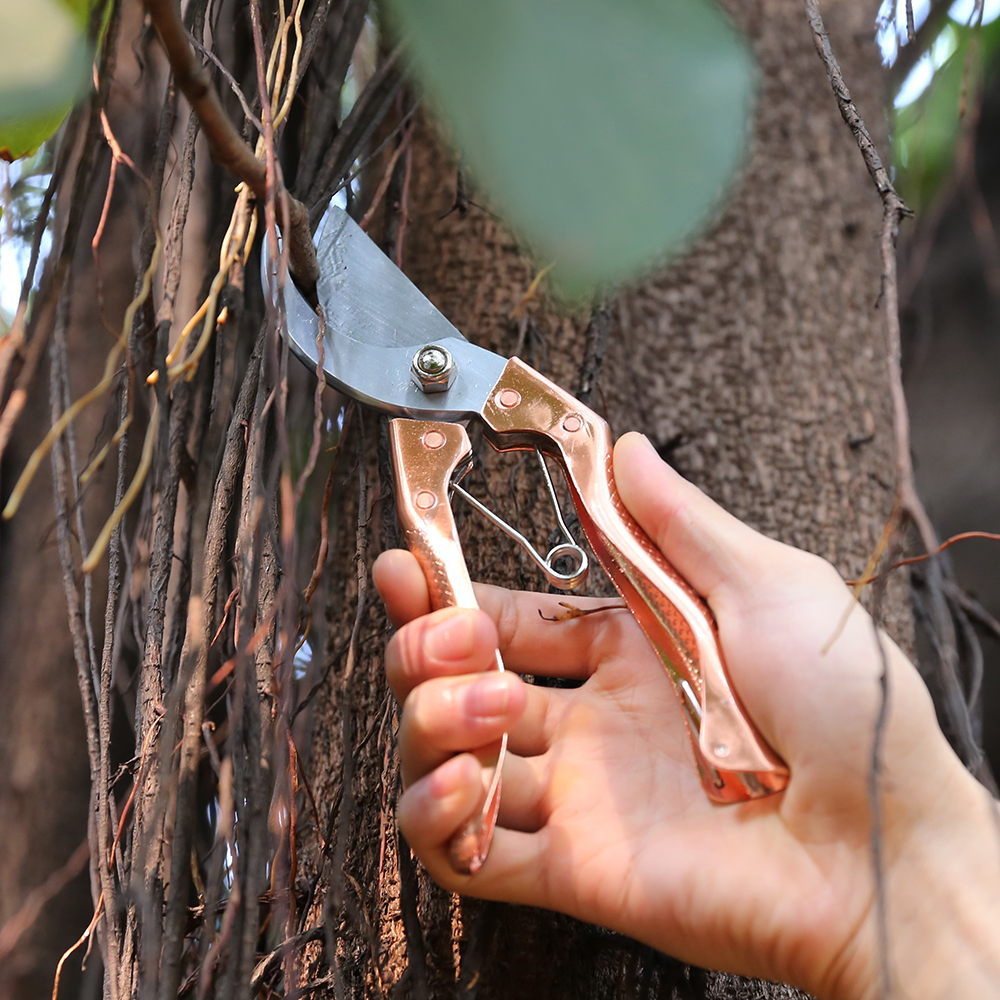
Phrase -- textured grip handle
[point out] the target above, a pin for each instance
(527, 410)
(425, 456)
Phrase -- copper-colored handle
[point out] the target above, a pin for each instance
(527, 410)
(425, 455)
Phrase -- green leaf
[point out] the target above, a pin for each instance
(44, 66)
(607, 131)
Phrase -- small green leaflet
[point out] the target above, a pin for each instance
(44, 66)
(606, 131)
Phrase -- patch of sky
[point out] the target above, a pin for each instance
(21, 193)
(890, 26)
(302, 659)
(966, 11)
(920, 76)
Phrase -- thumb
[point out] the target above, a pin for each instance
(710, 548)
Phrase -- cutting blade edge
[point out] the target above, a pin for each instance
(376, 320)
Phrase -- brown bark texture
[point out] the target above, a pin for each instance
(755, 363)
(240, 738)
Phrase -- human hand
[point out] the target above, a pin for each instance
(602, 814)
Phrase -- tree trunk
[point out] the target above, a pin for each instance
(756, 365)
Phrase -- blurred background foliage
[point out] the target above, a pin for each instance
(936, 96)
(944, 122)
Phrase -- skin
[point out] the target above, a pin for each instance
(603, 817)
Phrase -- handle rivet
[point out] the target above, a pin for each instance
(433, 440)
(572, 423)
(720, 750)
(425, 500)
(508, 398)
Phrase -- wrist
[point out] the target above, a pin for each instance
(942, 900)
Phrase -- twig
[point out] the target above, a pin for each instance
(906, 499)
(85, 400)
(234, 86)
(96, 553)
(310, 465)
(369, 110)
(416, 945)
(324, 538)
(386, 178)
(367, 161)
(271, 961)
(404, 207)
(911, 560)
(572, 611)
(325, 113)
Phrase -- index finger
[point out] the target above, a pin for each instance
(536, 636)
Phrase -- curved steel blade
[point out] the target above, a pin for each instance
(376, 320)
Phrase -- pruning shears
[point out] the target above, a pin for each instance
(385, 345)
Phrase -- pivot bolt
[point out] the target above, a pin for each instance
(433, 369)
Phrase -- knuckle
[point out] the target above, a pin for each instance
(407, 645)
(427, 706)
(507, 620)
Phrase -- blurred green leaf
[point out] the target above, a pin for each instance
(80, 9)
(607, 130)
(44, 66)
(926, 130)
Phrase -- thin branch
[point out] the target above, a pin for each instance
(233, 85)
(911, 560)
(907, 501)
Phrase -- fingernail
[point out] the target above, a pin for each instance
(488, 697)
(452, 639)
(649, 445)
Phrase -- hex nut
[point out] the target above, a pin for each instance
(433, 369)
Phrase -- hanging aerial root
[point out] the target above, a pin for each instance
(106, 382)
(242, 229)
(100, 545)
(79, 941)
(227, 146)
(98, 461)
(235, 247)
